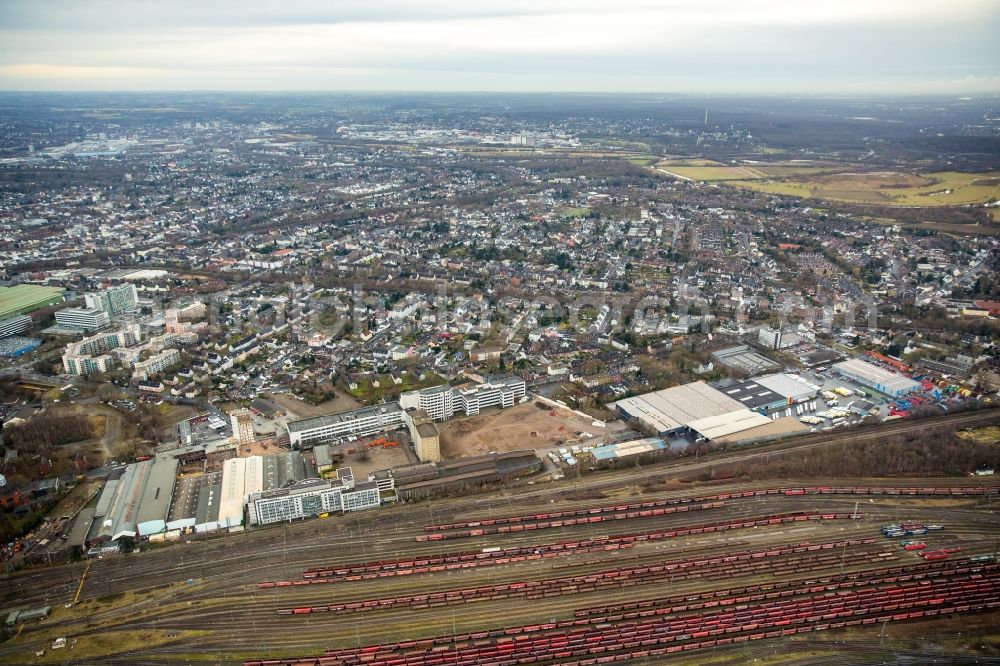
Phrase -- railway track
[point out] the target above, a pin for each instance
(280, 638)
(244, 620)
(729, 620)
(405, 517)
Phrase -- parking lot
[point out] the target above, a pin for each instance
(828, 382)
(264, 427)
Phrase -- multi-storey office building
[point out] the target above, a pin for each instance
(357, 422)
(87, 319)
(311, 498)
(14, 325)
(443, 402)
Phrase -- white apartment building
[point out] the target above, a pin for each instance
(88, 365)
(443, 402)
(156, 363)
(502, 392)
(769, 338)
(90, 354)
(437, 401)
(115, 301)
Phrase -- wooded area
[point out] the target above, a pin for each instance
(46, 431)
(933, 451)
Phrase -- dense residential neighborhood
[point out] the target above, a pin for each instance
(534, 332)
(226, 322)
(369, 277)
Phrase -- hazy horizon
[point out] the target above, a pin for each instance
(717, 47)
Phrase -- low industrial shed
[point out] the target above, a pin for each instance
(155, 503)
(611, 452)
(884, 381)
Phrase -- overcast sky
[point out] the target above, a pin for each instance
(702, 46)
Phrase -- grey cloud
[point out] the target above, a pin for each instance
(103, 14)
(665, 45)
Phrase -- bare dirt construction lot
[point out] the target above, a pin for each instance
(377, 457)
(300, 409)
(521, 427)
(260, 447)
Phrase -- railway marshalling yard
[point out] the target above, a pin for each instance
(617, 567)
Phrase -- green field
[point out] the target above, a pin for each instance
(944, 188)
(712, 173)
(789, 170)
(368, 393)
(687, 162)
(846, 183)
(583, 211)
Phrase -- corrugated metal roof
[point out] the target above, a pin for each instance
(209, 497)
(233, 487)
(672, 408)
(642, 410)
(790, 386)
(155, 502)
(722, 425)
(282, 469)
(81, 527)
(106, 498)
(254, 476)
(784, 426)
(876, 375)
(630, 448)
(121, 516)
